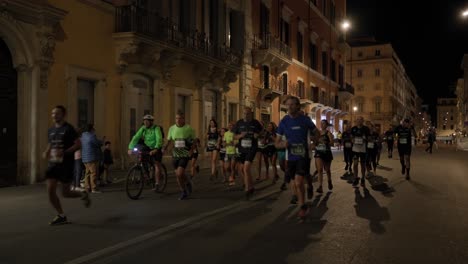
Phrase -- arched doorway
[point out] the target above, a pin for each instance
(8, 118)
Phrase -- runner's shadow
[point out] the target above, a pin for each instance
(368, 208)
(319, 207)
(384, 168)
(379, 183)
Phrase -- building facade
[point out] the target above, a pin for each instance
(462, 96)
(384, 94)
(297, 49)
(111, 62)
(447, 116)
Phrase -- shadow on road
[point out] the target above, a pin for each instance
(368, 208)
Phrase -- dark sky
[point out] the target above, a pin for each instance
(429, 36)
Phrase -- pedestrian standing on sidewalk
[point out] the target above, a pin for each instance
(63, 142)
(212, 146)
(90, 154)
(107, 162)
(297, 128)
(323, 155)
(247, 131)
(181, 136)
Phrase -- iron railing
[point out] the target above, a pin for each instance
(131, 18)
(268, 42)
(347, 88)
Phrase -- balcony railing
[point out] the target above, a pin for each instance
(267, 41)
(131, 18)
(347, 88)
(296, 90)
(274, 84)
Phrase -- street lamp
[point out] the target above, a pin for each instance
(465, 13)
(345, 25)
(352, 115)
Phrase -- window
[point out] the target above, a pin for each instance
(264, 19)
(266, 77)
(451, 118)
(333, 70)
(132, 122)
(284, 34)
(377, 87)
(451, 126)
(378, 105)
(313, 55)
(360, 106)
(332, 13)
(315, 94)
(341, 75)
(377, 52)
(232, 112)
(377, 72)
(85, 102)
(299, 46)
(359, 73)
(324, 8)
(359, 54)
(324, 63)
(284, 83)
(444, 127)
(301, 89)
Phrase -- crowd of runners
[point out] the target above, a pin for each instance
(294, 145)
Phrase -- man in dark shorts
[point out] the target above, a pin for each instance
(389, 138)
(182, 136)
(297, 128)
(360, 135)
(63, 142)
(247, 131)
(404, 134)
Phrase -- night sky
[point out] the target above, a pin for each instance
(430, 37)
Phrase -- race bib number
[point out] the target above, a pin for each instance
(179, 144)
(56, 156)
(246, 143)
(403, 141)
(321, 147)
(261, 144)
(370, 145)
(358, 141)
(298, 150)
(211, 143)
(348, 145)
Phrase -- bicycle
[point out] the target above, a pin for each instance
(143, 173)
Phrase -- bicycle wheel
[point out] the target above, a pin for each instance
(163, 180)
(134, 182)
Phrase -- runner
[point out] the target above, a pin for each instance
(281, 154)
(194, 158)
(269, 152)
(389, 138)
(404, 134)
(230, 159)
(247, 131)
(63, 142)
(360, 134)
(212, 146)
(372, 150)
(259, 156)
(222, 153)
(348, 148)
(182, 136)
(323, 155)
(296, 128)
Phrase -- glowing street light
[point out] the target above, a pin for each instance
(346, 25)
(465, 13)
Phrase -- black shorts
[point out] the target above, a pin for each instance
(180, 163)
(211, 149)
(325, 156)
(298, 167)
(362, 156)
(158, 156)
(404, 149)
(248, 156)
(222, 156)
(62, 172)
(269, 151)
(194, 155)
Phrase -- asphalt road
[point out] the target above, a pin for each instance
(419, 221)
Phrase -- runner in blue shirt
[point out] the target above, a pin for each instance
(296, 128)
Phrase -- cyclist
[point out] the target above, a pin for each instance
(182, 136)
(151, 136)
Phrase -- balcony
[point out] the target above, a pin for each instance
(146, 32)
(345, 92)
(271, 90)
(267, 49)
(294, 89)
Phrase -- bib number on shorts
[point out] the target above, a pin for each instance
(211, 143)
(298, 150)
(403, 141)
(246, 143)
(56, 156)
(370, 145)
(179, 144)
(358, 141)
(348, 144)
(321, 147)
